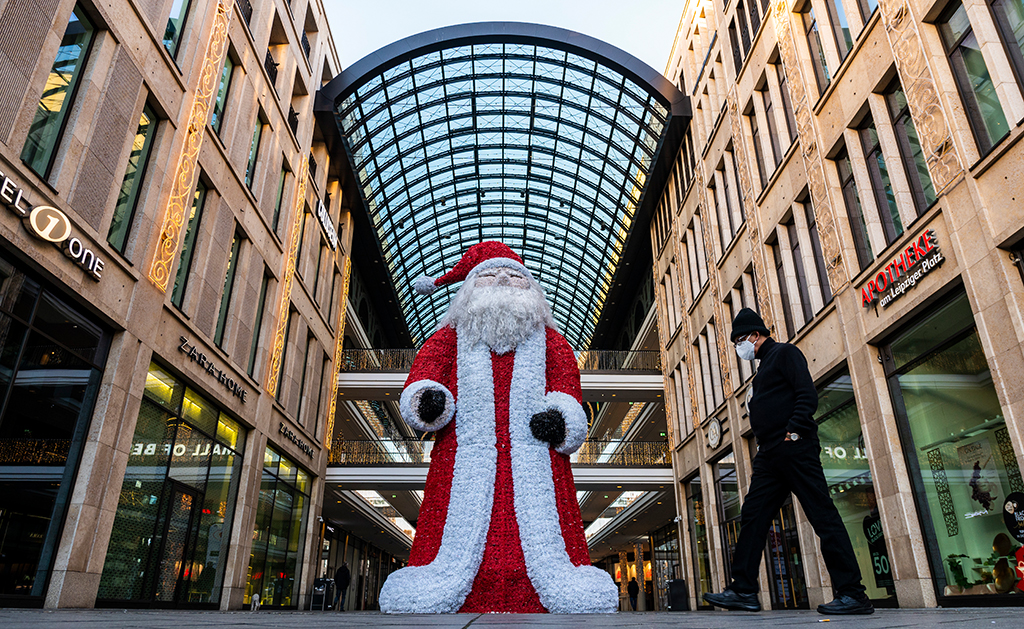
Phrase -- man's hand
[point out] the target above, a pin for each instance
(549, 427)
(431, 405)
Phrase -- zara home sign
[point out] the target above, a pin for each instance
(50, 224)
(903, 272)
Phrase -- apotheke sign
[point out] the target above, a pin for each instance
(50, 224)
(904, 271)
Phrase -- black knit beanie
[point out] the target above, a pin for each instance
(747, 321)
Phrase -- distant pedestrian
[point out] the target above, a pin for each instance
(634, 590)
(788, 460)
(342, 578)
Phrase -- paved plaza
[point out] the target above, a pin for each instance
(993, 618)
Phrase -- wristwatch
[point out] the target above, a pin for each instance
(793, 436)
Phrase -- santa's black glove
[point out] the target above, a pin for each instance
(431, 405)
(549, 427)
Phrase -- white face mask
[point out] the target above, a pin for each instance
(746, 350)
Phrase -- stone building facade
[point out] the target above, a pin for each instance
(853, 173)
(173, 252)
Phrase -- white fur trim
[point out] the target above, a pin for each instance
(409, 405)
(424, 285)
(507, 263)
(443, 585)
(575, 420)
(562, 587)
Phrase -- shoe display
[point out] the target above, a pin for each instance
(847, 605)
(734, 600)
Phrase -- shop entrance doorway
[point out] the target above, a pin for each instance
(788, 588)
(177, 538)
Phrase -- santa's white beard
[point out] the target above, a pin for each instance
(501, 317)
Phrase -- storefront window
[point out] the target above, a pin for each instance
(844, 459)
(664, 562)
(278, 538)
(698, 539)
(958, 449)
(177, 500)
(51, 362)
(728, 493)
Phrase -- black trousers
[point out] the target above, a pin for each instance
(792, 467)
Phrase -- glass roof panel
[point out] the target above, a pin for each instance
(523, 143)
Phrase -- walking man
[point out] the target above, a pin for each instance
(342, 578)
(633, 589)
(782, 418)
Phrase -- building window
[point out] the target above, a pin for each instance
(1010, 17)
(58, 93)
(787, 103)
(284, 356)
(254, 150)
(819, 258)
(188, 245)
(321, 255)
(737, 55)
(697, 517)
(217, 116)
(280, 199)
(784, 292)
(841, 27)
(977, 91)
(959, 451)
(175, 26)
(279, 535)
(225, 296)
(128, 197)
(309, 355)
(910, 148)
(853, 208)
(755, 133)
(888, 212)
(170, 537)
(741, 18)
(711, 369)
(772, 127)
(821, 73)
(258, 325)
(727, 490)
(848, 475)
(802, 283)
(325, 374)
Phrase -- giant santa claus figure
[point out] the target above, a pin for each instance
(499, 529)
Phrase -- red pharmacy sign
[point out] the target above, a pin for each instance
(903, 272)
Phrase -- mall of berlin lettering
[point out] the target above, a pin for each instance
(205, 363)
(179, 449)
(50, 224)
(290, 435)
(904, 271)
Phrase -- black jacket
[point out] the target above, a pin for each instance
(633, 588)
(342, 578)
(784, 395)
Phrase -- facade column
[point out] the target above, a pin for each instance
(623, 582)
(638, 562)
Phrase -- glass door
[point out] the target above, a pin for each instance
(789, 589)
(176, 540)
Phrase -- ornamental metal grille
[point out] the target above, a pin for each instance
(541, 148)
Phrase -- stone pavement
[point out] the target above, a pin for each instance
(975, 618)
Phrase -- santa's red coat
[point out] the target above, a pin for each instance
(522, 550)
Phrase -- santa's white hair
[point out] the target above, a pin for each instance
(500, 316)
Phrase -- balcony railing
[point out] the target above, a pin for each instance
(271, 67)
(293, 120)
(415, 452)
(246, 8)
(398, 360)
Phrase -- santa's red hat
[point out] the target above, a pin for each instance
(483, 255)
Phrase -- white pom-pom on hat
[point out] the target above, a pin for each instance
(424, 285)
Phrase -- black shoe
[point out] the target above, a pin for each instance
(734, 600)
(844, 605)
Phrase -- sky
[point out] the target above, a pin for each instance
(643, 28)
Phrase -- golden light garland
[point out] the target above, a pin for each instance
(288, 278)
(338, 349)
(185, 174)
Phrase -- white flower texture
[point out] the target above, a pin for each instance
(575, 420)
(409, 405)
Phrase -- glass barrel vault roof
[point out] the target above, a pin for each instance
(539, 147)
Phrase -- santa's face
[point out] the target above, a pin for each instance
(500, 307)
